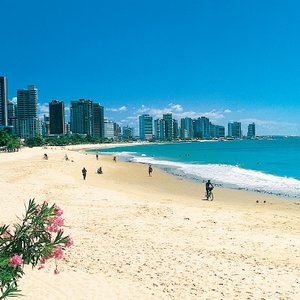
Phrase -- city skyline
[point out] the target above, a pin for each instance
(227, 60)
(176, 110)
(87, 118)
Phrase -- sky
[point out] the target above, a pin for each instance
(229, 60)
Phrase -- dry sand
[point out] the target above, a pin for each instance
(141, 237)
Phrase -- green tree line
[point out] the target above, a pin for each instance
(9, 142)
(63, 140)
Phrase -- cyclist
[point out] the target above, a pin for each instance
(209, 187)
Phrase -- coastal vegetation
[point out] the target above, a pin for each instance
(38, 238)
(63, 140)
(9, 142)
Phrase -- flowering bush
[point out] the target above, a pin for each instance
(37, 239)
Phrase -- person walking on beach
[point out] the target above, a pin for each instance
(150, 170)
(115, 159)
(209, 187)
(97, 156)
(84, 171)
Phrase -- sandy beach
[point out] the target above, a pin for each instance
(141, 237)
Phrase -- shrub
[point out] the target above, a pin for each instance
(38, 238)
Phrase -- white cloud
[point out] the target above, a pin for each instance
(178, 112)
(267, 122)
(175, 107)
(118, 109)
(213, 115)
(158, 112)
(272, 126)
(43, 108)
(227, 111)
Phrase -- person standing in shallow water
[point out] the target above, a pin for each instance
(84, 171)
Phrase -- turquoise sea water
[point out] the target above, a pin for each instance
(271, 166)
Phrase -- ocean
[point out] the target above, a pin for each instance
(268, 165)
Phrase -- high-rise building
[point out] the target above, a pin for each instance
(67, 128)
(46, 126)
(81, 116)
(186, 129)
(146, 127)
(98, 121)
(235, 130)
(3, 101)
(201, 128)
(160, 129)
(204, 127)
(57, 117)
(28, 125)
(12, 116)
(117, 131)
(128, 133)
(220, 131)
(175, 129)
(109, 129)
(169, 129)
(251, 131)
(216, 131)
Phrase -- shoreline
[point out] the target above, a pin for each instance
(172, 169)
(141, 237)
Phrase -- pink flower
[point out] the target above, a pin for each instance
(43, 260)
(58, 252)
(15, 261)
(55, 223)
(58, 221)
(70, 242)
(6, 234)
(58, 211)
(38, 209)
(56, 271)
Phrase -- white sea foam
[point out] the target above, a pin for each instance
(227, 175)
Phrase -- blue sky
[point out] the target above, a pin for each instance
(230, 60)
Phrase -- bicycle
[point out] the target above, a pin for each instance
(209, 195)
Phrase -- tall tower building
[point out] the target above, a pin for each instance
(146, 127)
(98, 121)
(186, 128)
(82, 116)
(109, 131)
(235, 130)
(251, 131)
(159, 129)
(12, 116)
(128, 133)
(3, 101)
(28, 126)
(220, 131)
(169, 129)
(175, 129)
(57, 117)
(202, 128)
(45, 126)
